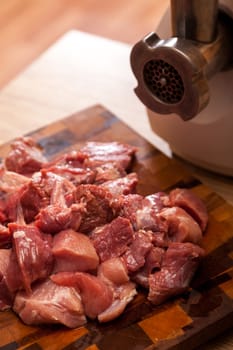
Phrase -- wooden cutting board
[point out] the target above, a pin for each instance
(184, 323)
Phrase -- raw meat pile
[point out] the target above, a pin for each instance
(76, 239)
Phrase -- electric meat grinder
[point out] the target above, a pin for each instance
(184, 73)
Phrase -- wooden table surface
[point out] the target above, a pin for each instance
(78, 71)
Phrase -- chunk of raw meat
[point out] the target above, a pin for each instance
(99, 206)
(95, 294)
(108, 172)
(122, 296)
(39, 190)
(13, 279)
(53, 219)
(5, 236)
(58, 216)
(160, 239)
(156, 201)
(11, 181)
(179, 264)
(143, 211)
(3, 217)
(13, 208)
(112, 240)
(181, 226)
(147, 216)
(25, 157)
(129, 205)
(114, 271)
(75, 175)
(50, 303)
(33, 253)
(11, 186)
(134, 257)
(187, 200)
(122, 186)
(74, 251)
(98, 153)
(153, 261)
(6, 298)
(71, 160)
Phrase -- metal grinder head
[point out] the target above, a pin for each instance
(170, 76)
(173, 73)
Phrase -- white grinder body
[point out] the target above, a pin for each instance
(196, 121)
(207, 139)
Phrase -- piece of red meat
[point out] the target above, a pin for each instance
(114, 273)
(122, 186)
(113, 270)
(98, 153)
(95, 294)
(53, 219)
(11, 181)
(71, 165)
(3, 217)
(74, 251)
(6, 297)
(156, 201)
(13, 278)
(122, 296)
(5, 236)
(58, 216)
(147, 216)
(11, 186)
(25, 156)
(34, 198)
(112, 240)
(50, 303)
(75, 175)
(129, 205)
(187, 200)
(13, 209)
(179, 265)
(153, 261)
(181, 226)
(73, 159)
(108, 172)
(99, 206)
(134, 257)
(143, 211)
(160, 239)
(39, 190)
(33, 253)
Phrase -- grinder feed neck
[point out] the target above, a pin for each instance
(194, 20)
